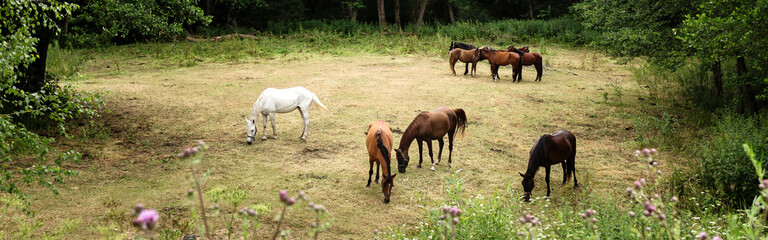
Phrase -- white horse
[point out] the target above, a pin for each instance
(273, 101)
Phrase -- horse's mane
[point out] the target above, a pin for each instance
(256, 108)
(383, 149)
(538, 154)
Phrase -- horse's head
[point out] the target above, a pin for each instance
(527, 185)
(402, 160)
(250, 130)
(386, 186)
(511, 48)
(524, 49)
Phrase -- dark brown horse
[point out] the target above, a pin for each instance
(466, 56)
(559, 147)
(455, 45)
(502, 58)
(530, 58)
(379, 144)
(428, 126)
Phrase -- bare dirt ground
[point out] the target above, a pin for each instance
(158, 110)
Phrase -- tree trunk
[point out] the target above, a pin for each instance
(397, 15)
(209, 7)
(530, 8)
(382, 15)
(717, 78)
(34, 74)
(352, 13)
(416, 5)
(450, 13)
(748, 103)
(421, 13)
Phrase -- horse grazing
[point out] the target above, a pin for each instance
(466, 56)
(273, 101)
(502, 58)
(559, 147)
(530, 58)
(428, 126)
(378, 140)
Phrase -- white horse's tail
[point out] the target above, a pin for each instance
(317, 102)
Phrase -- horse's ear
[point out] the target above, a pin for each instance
(393, 176)
(521, 174)
(365, 133)
(246, 120)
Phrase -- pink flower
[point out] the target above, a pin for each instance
(637, 153)
(638, 185)
(632, 214)
(146, 220)
(653, 151)
(646, 152)
(283, 196)
(717, 238)
(702, 236)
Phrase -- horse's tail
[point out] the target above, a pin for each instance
(461, 122)
(571, 161)
(383, 149)
(317, 102)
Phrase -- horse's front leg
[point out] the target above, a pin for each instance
(370, 172)
(420, 158)
(274, 132)
(429, 146)
(466, 68)
(546, 178)
(264, 137)
(305, 116)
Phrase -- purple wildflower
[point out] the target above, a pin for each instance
(146, 220)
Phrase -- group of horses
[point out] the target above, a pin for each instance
(557, 148)
(516, 57)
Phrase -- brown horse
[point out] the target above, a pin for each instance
(428, 126)
(530, 58)
(379, 144)
(465, 56)
(502, 58)
(559, 147)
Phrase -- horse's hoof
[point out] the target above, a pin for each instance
(303, 138)
(432, 168)
(418, 166)
(263, 138)
(449, 165)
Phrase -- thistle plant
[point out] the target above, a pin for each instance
(450, 219)
(531, 223)
(322, 220)
(287, 202)
(591, 217)
(195, 156)
(246, 215)
(654, 206)
(145, 220)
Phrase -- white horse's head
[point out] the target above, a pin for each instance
(250, 130)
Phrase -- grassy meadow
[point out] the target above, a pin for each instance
(164, 97)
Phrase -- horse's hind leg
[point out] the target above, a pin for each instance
(538, 72)
(466, 68)
(450, 146)
(440, 151)
(378, 165)
(370, 172)
(565, 172)
(264, 137)
(546, 178)
(305, 116)
(474, 69)
(272, 119)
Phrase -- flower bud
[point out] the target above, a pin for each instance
(522, 220)
(662, 217)
(642, 181)
(283, 196)
(646, 213)
(656, 196)
(446, 209)
(632, 214)
(459, 212)
(290, 201)
(442, 217)
(629, 190)
(528, 217)
(717, 238)
(583, 215)
(637, 153)
(138, 208)
(194, 150)
(252, 212)
(535, 221)
(180, 155)
(702, 236)
(314, 225)
(216, 206)
(648, 229)
(455, 220)
(187, 151)
(522, 234)
(190, 192)
(638, 185)
(673, 199)
(454, 211)
(593, 220)
(302, 196)
(646, 152)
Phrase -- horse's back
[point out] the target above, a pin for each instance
(386, 137)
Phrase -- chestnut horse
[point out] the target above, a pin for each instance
(428, 126)
(464, 46)
(379, 143)
(466, 56)
(530, 58)
(502, 58)
(559, 147)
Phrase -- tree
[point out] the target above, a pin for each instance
(382, 16)
(24, 23)
(421, 12)
(352, 6)
(732, 30)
